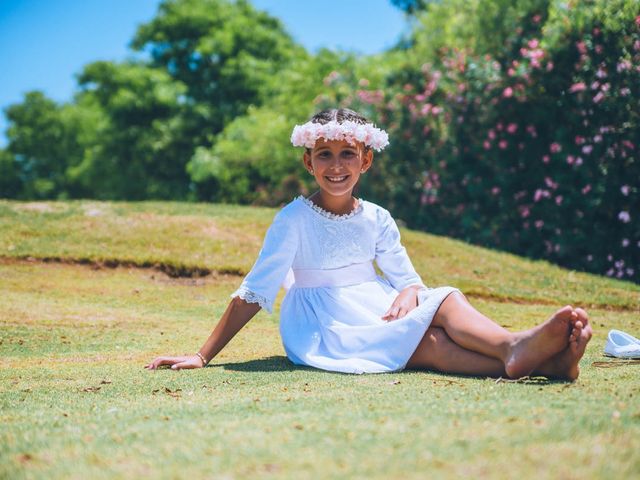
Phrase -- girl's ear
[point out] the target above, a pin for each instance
(367, 160)
(306, 159)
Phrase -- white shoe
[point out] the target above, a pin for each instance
(622, 345)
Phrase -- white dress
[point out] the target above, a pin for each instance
(330, 317)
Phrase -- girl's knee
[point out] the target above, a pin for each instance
(435, 336)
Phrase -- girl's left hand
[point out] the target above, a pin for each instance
(406, 301)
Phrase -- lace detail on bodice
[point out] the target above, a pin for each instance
(251, 297)
(330, 215)
(329, 241)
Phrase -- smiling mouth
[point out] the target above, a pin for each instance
(339, 179)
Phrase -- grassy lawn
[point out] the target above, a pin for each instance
(76, 402)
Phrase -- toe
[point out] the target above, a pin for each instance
(582, 314)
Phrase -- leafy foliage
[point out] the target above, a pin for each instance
(514, 124)
(532, 149)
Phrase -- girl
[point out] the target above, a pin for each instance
(338, 314)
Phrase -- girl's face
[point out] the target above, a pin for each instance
(337, 165)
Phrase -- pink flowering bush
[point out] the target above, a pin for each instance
(533, 149)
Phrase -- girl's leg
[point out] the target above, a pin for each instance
(520, 352)
(436, 351)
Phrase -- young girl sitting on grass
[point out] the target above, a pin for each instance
(339, 315)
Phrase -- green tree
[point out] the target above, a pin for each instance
(10, 181)
(142, 151)
(224, 52)
(45, 141)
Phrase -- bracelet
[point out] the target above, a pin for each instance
(204, 362)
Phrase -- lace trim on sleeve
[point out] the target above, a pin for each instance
(251, 297)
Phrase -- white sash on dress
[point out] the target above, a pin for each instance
(335, 277)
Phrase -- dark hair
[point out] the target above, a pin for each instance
(339, 115)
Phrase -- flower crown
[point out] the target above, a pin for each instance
(306, 135)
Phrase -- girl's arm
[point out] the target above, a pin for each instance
(236, 316)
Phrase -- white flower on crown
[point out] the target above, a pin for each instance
(306, 135)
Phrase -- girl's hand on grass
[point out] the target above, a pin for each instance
(176, 363)
(406, 301)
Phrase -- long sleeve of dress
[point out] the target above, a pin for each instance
(262, 283)
(391, 256)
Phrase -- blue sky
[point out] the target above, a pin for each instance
(45, 43)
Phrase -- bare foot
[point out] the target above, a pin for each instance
(532, 347)
(565, 365)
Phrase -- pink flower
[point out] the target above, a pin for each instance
(598, 98)
(586, 189)
(539, 194)
(587, 149)
(491, 134)
(550, 183)
(625, 189)
(582, 47)
(545, 159)
(623, 65)
(577, 87)
(536, 18)
(495, 190)
(508, 92)
(503, 144)
(486, 144)
(511, 72)
(597, 138)
(625, 91)
(539, 224)
(555, 147)
(531, 130)
(579, 140)
(524, 212)
(559, 200)
(579, 161)
(512, 128)
(624, 217)
(549, 66)
(628, 144)
(570, 159)
(625, 242)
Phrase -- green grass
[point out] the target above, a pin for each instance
(76, 402)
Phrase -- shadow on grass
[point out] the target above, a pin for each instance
(279, 363)
(275, 363)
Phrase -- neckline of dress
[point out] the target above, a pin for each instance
(331, 215)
